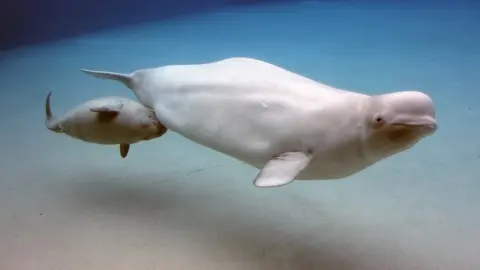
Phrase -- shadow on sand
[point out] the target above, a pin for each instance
(249, 229)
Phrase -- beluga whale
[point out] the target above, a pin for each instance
(107, 120)
(288, 126)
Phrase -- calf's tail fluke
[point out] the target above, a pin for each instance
(50, 120)
(124, 78)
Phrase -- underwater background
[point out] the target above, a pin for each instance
(172, 204)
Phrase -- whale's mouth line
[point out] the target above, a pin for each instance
(431, 126)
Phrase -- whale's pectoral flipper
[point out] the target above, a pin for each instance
(108, 112)
(282, 169)
(124, 147)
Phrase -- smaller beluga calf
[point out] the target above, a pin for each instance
(107, 120)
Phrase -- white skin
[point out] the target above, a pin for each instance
(279, 121)
(132, 123)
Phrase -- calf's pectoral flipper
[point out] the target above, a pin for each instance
(282, 169)
(124, 147)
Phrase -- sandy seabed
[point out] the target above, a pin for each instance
(172, 204)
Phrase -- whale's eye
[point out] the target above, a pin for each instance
(378, 121)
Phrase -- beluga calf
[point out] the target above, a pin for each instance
(288, 126)
(107, 120)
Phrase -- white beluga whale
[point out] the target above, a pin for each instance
(107, 120)
(288, 126)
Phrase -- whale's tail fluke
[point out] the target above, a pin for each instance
(124, 78)
(50, 121)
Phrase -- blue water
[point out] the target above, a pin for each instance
(172, 204)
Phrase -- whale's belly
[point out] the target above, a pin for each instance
(250, 111)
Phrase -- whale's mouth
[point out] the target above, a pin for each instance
(427, 126)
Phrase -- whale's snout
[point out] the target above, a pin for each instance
(161, 129)
(430, 127)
